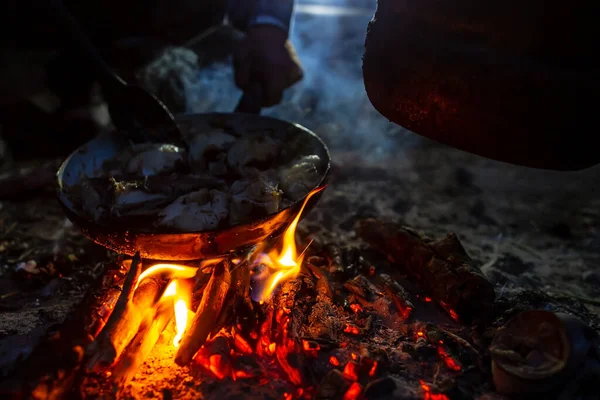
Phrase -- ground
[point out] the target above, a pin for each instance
(531, 230)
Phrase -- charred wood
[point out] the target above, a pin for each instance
(237, 304)
(125, 319)
(442, 267)
(207, 313)
(323, 321)
(370, 297)
(51, 368)
(398, 295)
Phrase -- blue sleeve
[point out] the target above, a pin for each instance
(246, 13)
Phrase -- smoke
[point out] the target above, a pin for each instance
(331, 99)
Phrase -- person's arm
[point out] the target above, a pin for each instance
(244, 14)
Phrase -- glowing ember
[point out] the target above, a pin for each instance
(353, 392)
(351, 371)
(454, 315)
(450, 311)
(334, 361)
(449, 361)
(431, 396)
(356, 307)
(284, 264)
(373, 369)
(351, 329)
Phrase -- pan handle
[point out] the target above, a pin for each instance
(252, 100)
(84, 45)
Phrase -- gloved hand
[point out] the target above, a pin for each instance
(265, 56)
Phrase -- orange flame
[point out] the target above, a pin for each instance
(182, 312)
(173, 271)
(286, 263)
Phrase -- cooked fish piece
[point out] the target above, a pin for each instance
(198, 211)
(252, 199)
(258, 151)
(136, 201)
(146, 159)
(300, 177)
(206, 147)
(94, 197)
(218, 167)
(155, 160)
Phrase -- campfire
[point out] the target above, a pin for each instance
(294, 319)
(280, 312)
(297, 319)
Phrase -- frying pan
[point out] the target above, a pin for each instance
(166, 245)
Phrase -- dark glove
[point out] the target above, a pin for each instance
(266, 57)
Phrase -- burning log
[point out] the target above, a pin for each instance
(237, 303)
(208, 311)
(125, 319)
(443, 267)
(138, 350)
(214, 356)
(368, 296)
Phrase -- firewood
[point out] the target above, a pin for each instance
(398, 295)
(51, 368)
(237, 299)
(370, 297)
(142, 344)
(214, 356)
(125, 319)
(206, 314)
(322, 281)
(442, 267)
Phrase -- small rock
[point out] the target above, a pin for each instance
(332, 386)
(561, 231)
(401, 206)
(478, 210)
(51, 288)
(496, 277)
(425, 350)
(29, 267)
(512, 265)
(592, 277)
(463, 177)
(380, 387)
